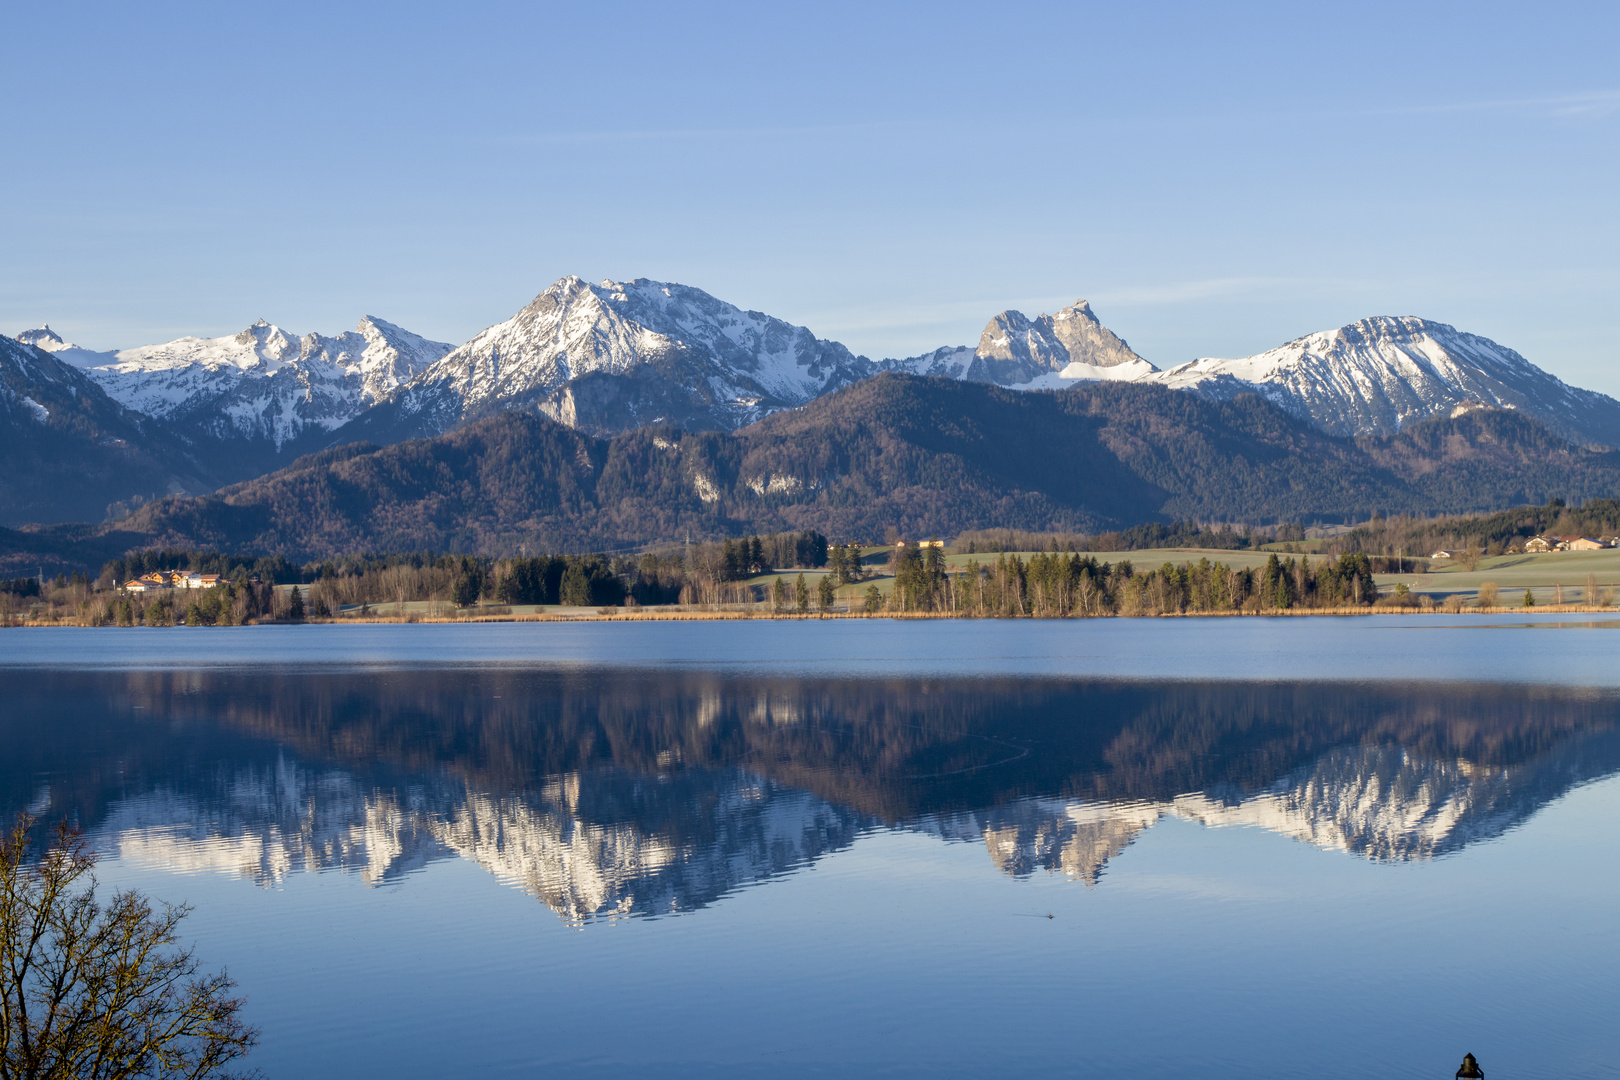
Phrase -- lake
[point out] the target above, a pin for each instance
(1141, 848)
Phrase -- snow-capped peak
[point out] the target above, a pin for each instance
(260, 383)
(656, 351)
(44, 338)
(1376, 375)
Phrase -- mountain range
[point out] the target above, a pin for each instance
(614, 358)
(260, 388)
(926, 456)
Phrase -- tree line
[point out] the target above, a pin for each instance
(1060, 585)
(1176, 534)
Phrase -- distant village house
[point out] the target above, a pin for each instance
(1567, 543)
(170, 579)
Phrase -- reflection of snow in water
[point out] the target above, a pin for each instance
(678, 842)
(267, 824)
(1378, 802)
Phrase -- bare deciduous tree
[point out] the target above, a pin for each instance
(101, 992)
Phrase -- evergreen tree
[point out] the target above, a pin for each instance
(1271, 583)
(466, 589)
(295, 605)
(825, 592)
(874, 600)
(849, 564)
(1529, 600)
(779, 595)
(801, 595)
(576, 587)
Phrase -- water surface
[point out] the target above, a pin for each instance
(1113, 848)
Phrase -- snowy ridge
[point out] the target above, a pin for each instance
(260, 384)
(1377, 375)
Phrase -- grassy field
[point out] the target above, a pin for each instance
(1512, 574)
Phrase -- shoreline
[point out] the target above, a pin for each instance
(698, 615)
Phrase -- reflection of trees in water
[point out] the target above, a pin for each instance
(607, 792)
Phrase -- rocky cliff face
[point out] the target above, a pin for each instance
(1015, 350)
(1047, 352)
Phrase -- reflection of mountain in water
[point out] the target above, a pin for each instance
(755, 830)
(1379, 802)
(267, 823)
(618, 793)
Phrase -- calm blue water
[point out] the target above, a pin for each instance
(1113, 848)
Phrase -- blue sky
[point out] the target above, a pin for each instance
(1215, 179)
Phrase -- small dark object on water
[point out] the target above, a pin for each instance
(1470, 1069)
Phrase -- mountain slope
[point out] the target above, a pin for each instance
(620, 355)
(67, 450)
(925, 456)
(1375, 376)
(258, 391)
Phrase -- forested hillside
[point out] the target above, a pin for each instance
(68, 451)
(921, 456)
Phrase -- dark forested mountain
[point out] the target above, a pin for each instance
(924, 456)
(67, 450)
